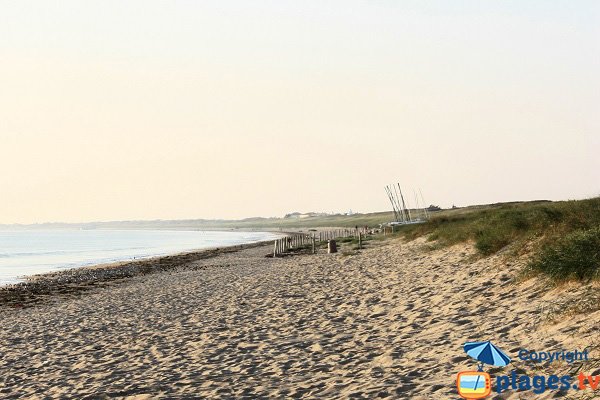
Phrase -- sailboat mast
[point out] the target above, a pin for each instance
(402, 207)
(387, 190)
(404, 204)
(417, 206)
(424, 205)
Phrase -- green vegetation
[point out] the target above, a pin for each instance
(353, 240)
(565, 235)
(576, 256)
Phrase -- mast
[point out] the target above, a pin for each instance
(424, 208)
(404, 204)
(387, 190)
(417, 207)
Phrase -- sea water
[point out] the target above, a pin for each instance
(31, 252)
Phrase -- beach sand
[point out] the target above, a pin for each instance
(387, 322)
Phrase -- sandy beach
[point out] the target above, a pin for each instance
(388, 321)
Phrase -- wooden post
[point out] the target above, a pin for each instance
(359, 241)
(331, 246)
(313, 244)
(275, 249)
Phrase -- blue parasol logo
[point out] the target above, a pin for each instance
(474, 385)
(486, 353)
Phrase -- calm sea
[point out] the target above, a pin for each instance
(25, 253)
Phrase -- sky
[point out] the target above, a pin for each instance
(126, 110)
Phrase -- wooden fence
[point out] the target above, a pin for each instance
(313, 239)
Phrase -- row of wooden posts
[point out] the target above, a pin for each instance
(387, 230)
(336, 233)
(295, 241)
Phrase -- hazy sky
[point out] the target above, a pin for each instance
(194, 109)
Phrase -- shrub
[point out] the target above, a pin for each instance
(492, 239)
(576, 256)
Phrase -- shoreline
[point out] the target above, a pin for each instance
(37, 288)
(386, 321)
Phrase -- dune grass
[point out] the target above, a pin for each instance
(575, 256)
(565, 236)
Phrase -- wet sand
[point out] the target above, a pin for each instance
(387, 322)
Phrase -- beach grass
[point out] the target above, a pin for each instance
(564, 236)
(575, 256)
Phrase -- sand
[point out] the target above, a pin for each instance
(387, 322)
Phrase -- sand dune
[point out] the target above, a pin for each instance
(387, 322)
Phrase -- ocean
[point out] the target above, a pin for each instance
(31, 252)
